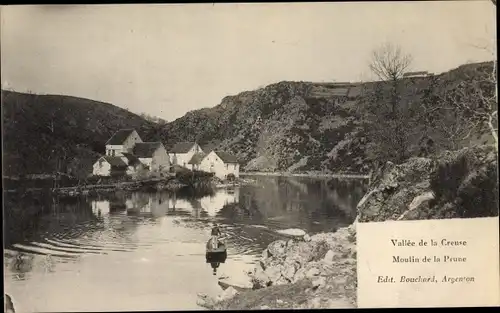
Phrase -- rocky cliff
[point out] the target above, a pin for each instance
(284, 126)
(305, 126)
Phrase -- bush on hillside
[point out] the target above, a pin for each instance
(467, 183)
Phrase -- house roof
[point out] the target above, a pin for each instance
(119, 137)
(415, 73)
(146, 149)
(182, 147)
(196, 158)
(227, 157)
(114, 161)
(208, 147)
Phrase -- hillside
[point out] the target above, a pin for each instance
(301, 126)
(287, 126)
(41, 130)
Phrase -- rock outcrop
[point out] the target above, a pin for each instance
(327, 260)
(453, 184)
(306, 126)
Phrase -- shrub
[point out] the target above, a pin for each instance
(466, 185)
(478, 195)
(189, 177)
(448, 177)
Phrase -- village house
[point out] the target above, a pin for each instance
(222, 164)
(417, 74)
(153, 156)
(122, 141)
(182, 152)
(126, 153)
(109, 166)
(194, 163)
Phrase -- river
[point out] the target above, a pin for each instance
(146, 251)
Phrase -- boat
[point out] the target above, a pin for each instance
(217, 254)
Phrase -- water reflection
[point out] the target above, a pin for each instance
(127, 244)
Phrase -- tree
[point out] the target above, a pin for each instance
(389, 63)
(475, 99)
(466, 108)
(390, 118)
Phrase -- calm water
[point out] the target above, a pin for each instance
(139, 251)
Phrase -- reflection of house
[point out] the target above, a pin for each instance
(182, 152)
(100, 207)
(127, 153)
(148, 204)
(221, 164)
(205, 206)
(213, 204)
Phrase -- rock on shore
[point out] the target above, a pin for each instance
(319, 272)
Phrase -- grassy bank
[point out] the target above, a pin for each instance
(193, 180)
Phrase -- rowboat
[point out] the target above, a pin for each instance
(217, 254)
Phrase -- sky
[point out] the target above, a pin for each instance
(168, 59)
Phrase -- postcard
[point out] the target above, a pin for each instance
(238, 156)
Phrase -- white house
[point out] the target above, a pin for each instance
(221, 163)
(153, 156)
(417, 74)
(182, 152)
(194, 163)
(126, 153)
(122, 141)
(108, 165)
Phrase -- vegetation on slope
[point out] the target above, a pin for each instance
(48, 133)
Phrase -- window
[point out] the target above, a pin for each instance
(227, 166)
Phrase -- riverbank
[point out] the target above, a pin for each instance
(308, 174)
(170, 183)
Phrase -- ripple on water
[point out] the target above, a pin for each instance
(33, 249)
(98, 244)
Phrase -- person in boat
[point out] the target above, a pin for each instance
(216, 233)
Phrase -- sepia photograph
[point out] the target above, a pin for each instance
(219, 156)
